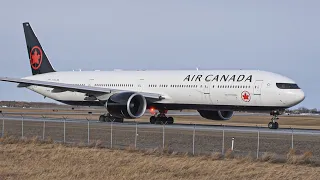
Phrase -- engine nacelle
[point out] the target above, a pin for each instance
(128, 105)
(216, 115)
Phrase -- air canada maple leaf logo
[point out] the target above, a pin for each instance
(245, 96)
(35, 57)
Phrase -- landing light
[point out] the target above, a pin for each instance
(152, 110)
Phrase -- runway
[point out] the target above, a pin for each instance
(199, 127)
(61, 111)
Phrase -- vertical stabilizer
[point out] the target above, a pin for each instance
(38, 60)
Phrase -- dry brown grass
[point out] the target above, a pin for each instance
(35, 159)
(229, 154)
(296, 157)
(273, 158)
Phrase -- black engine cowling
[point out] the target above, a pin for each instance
(128, 105)
(216, 115)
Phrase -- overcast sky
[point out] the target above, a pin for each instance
(278, 36)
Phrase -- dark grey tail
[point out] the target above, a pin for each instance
(38, 59)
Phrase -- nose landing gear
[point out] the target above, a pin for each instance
(273, 124)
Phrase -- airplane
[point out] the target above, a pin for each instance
(215, 94)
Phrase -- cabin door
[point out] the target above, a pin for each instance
(91, 82)
(257, 87)
(206, 93)
(140, 84)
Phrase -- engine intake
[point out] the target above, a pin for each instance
(127, 105)
(216, 115)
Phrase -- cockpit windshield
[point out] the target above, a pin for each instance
(287, 86)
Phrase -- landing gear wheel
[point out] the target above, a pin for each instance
(119, 120)
(115, 119)
(152, 120)
(170, 120)
(102, 118)
(161, 118)
(273, 124)
(270, 125)
(109, 118)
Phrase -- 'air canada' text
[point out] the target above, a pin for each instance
(219, 78)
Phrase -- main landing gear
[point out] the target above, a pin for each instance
(273, 124)
(109, 118)
(161, 118)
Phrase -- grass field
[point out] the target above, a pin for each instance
(32, 159)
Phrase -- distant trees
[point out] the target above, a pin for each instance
(302, 110)
(314, 110)
(28, 104)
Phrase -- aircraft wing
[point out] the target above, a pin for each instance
(90, 90)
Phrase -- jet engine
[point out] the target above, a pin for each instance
(216, 115)
(128, 105)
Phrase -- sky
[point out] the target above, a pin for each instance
(278, 36)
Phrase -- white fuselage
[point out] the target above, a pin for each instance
(217, 87)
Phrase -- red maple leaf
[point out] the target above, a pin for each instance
(35, 57)
(245, 96)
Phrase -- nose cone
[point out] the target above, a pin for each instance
(300, 96)
(294, 97)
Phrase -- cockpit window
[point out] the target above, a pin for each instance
(287, 86)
